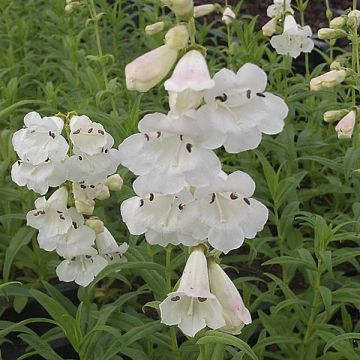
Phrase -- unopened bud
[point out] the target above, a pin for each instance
(345, 126)
(354, 19)
(69, 8)
(84, 208)
(329, 34)
(177, 37)
(228, 16)
(334, 115)
(181, 8)
(327, 80)
(203, 10)
(114, 182)
(104, 193)
(338, 22)
(270, 27)
(95, 224)
(336, 65)
(155, 28)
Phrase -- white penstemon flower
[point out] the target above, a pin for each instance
(279, 8)
(192, 306)
(294, 40)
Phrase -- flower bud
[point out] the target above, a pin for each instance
(327, 80)
(334, 115)
(203, 10)
(338, 22)
(354, 19)
(114, 182)
(228, 16)
(329, 34)
(155, 28)
(177, 37)
(104, 193)
(149, 69)
(345, 126)
(335, 65)
(270, 27)
(95, 224)
(181, 8)
(84, 208)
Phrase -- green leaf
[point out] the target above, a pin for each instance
(342, 337)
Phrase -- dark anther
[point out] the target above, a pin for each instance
(76, 132)
(181, 137)
(158, 134)
(200, 299)
(233, 196)
(147, 137)
(74, 225)
(73, 258)
(51, 134)
(175, 298)
(111, 257)
(88, 256)
(62, 217)
(80, 157)
(248, 93)
(181, 206)
(260, 94)
(19, 162)
(141, 202)
(47, 159)
(222, 97)
(101, 132)
(83, 186)
(90, 130)
(212, 198)
(92, 186)
(59, 212)
(106, 151)
(247, 201)
(188, 147)
(151, 196)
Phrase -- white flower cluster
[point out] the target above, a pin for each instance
(294, 39)
(45, 162)
(183, 196)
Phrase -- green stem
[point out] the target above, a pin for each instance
(95, 19)
(302, 8)
(192, 31)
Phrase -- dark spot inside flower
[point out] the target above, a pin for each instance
(233, 196)
(51, 134)
(106, 151)
(181, 206)
(76, 132)
(73, 258)
(222, 97)
(200, 299)
(92, 260)
(92, 186)
(88, 256)
(158, 134)
(151, 196)
(74, 225)
(62, 217)
(188, 147)
(59, 212)
(248, 93)
(32, 131)
(47, 159)
(175, 298)
(181, 137)
(111, 257)
(19, 162)
(80, 158)
(101, 132)
(212, 198)
(83, 186)
(247, 201)
(141, 202)
(147, 137)
(90, 130)
(260, 94)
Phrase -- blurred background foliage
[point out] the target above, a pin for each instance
(299, 277)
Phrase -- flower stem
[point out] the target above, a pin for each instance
(95, 19)
(302, 7)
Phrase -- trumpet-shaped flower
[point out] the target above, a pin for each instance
(192, 306)
(327, 80)
(270, 27)
(39, 177)
(345, 126)
(149, 69)
(81, 269)
(279, 8)
(40, 139)
(88, 137)
(108, 248)
(187, 84)
(238, 110)
(181, 8)
(235, 313)
(51, 216)
(228, 211)
(167, 155)
(228, 16)
(294, 40)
